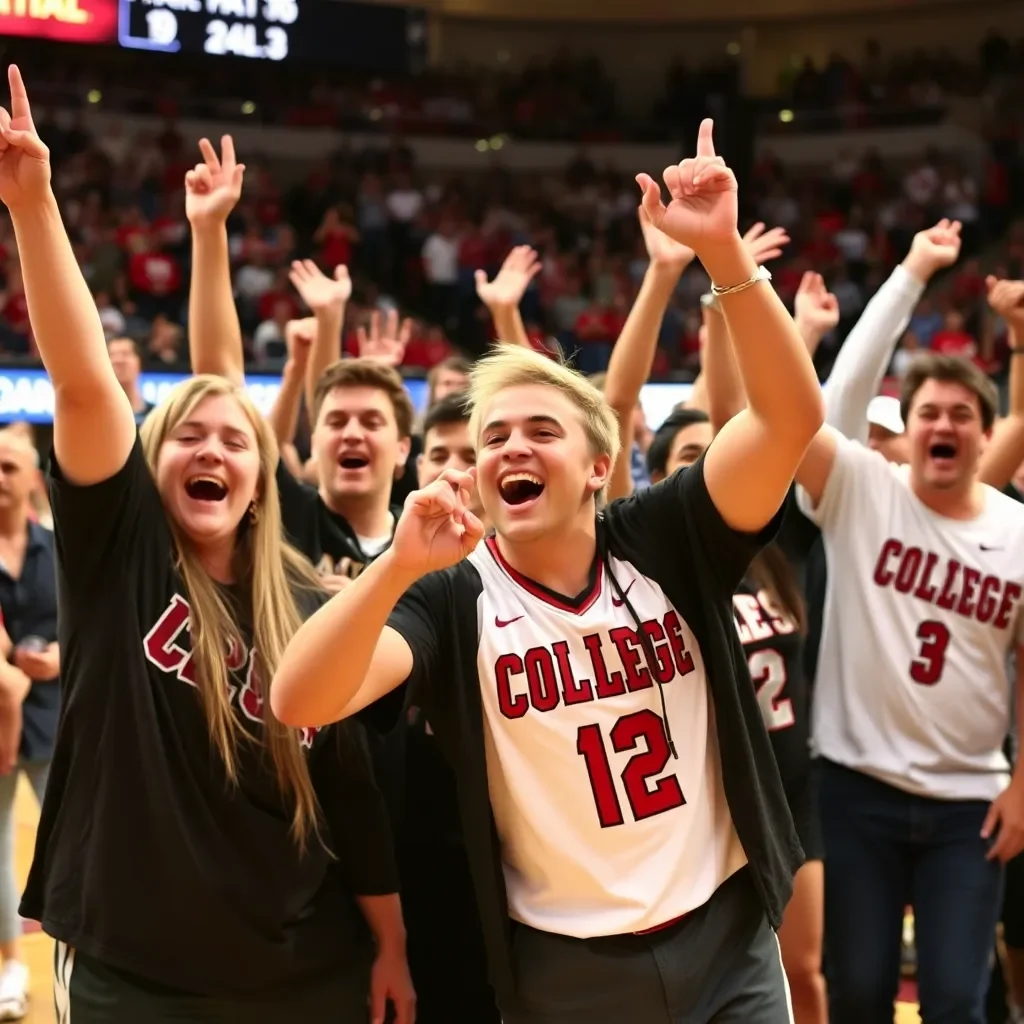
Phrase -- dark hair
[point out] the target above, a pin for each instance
(661, 443)
(951, 370)
(367, 373)
(123, 340)
(456, 364)
(771, 570)
(445, 411)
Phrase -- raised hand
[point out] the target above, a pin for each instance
(319, 291)
(815, 307)
(1007, 299)
(213, 187)
(436, 528)
(24, 160)
(299, 336)
(386, 345)
(509, 286)
(933, 249)
(703, 209)
(765, 245)
(662, 250)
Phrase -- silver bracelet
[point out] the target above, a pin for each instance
(761, 275)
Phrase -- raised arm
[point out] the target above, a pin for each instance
(345, 656)
(724, 395)
(326, 298)
(866, 353)
(503, 295)
(1005, 452)
(633, 354)
(750, 466)
(94, 426)
(212, 189)
(284, 413)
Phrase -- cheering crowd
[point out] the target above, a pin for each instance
(516, 712)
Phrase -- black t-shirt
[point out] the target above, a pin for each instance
(147, 857)
(323, 536)
(672, 535)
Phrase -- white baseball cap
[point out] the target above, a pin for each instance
(884, 411)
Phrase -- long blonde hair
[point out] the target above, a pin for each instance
(271, 569)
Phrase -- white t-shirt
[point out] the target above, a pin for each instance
(920, 614)
(441, 259)
(602, 831)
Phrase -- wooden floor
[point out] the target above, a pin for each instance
(37, 948)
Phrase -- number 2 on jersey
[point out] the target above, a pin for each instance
(926, 668)
(627, 732)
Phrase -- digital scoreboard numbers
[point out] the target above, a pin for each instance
(255, 29)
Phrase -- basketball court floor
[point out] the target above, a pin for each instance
(38, 949)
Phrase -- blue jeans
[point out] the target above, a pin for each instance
(885, 850)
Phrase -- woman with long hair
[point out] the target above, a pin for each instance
(196, 859)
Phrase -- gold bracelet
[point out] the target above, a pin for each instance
(762, 274)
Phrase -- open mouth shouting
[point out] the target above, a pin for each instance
(520, 489)
(942, 453)
(351, 461)
(206, 489)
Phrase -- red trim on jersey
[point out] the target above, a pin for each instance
(584, 603)
(662, 927)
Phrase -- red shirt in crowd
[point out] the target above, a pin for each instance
(154, 273)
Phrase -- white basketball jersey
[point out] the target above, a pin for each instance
(602, 832)
(920, 613)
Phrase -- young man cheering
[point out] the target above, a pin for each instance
(625, 824)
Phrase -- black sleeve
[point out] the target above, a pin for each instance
(101, 529)
(354, 811)
(422, 617)
(797, 534)
(299, 512)
(677, 517)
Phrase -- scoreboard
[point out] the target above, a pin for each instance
(361, 36)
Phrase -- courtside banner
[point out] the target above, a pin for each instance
(66, 21)
(28, 394)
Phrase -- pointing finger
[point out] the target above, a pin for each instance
(705, 138)
(227, 151)
(19, 95)
(209, 155)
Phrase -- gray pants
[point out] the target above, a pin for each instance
(719, 965)
(37, 773)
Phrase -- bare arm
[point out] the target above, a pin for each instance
(1005, 452)
(751, 465)
(346, 656)
(724, 388)
(214, 333)
(633, 354)
(284, 414)
(347, 647)
(327, 298)
(816, 467)
(503, 295)
(94, 426)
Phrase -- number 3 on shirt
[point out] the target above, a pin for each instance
(926, 668)
(644, 801)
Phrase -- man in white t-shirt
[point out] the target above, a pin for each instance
(912, 704)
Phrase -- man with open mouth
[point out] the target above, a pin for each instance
(625, 823)
(912, 701)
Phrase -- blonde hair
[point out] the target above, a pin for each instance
(509, 366)
(270, 569)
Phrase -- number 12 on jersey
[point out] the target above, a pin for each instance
(645, 800)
